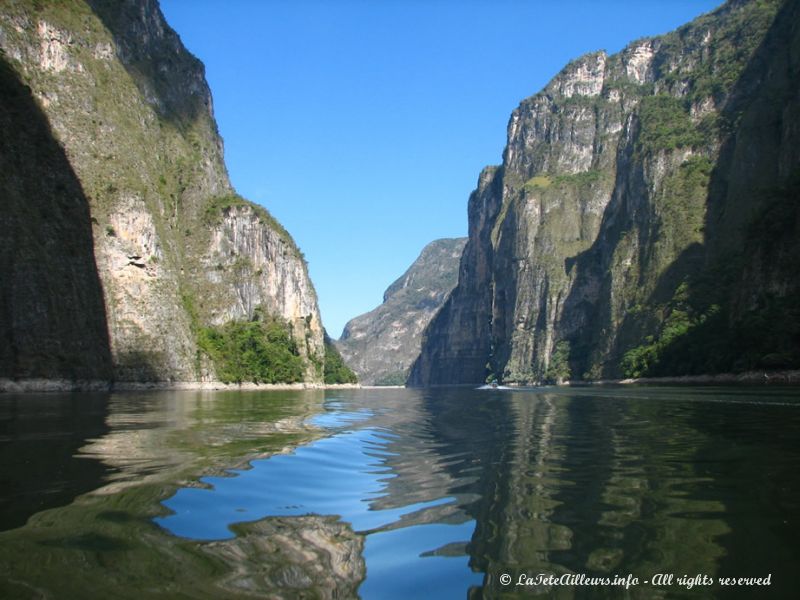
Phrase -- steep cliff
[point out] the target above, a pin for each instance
(382, 344)
(52, 315)
(153, 214)
(644, 219)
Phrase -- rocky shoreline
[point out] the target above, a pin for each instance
(66, 385)
(746, 378)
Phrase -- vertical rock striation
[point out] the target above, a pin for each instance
(52, 315)
(175, 249)
(626, 232)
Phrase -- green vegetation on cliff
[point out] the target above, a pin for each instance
(559, 370)
(707, 329)
(645, 215)
(725, 59)
(708, 268)
(336, 371)
(665, 124)
(135, 149)
(260, 351)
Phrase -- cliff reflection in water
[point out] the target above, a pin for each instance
(104, 543)
(635, 480)
(39, 436)
(409, 493)
(594, 487)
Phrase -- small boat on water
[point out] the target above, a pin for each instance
(493, 386)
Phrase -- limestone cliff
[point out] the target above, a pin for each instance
(627, 230)
(382, 344)
(52, 315)
(134, 154)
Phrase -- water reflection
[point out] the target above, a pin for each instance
(406, 493)
(378, 471)
(39, 436)
(177, 436)
(643, 482)
(144, 446)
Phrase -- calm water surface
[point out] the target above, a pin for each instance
(398, 493)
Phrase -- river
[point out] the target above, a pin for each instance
(599, 492)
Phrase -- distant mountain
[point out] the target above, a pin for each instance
(381, 344)
(645, 220)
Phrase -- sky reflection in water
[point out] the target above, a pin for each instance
(205, 494)
(342, 475)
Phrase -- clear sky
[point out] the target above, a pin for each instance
(362, 125)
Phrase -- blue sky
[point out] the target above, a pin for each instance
(362, 125)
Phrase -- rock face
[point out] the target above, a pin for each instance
(139, 232)
(381, 345)
(310, 556)
(52, 314)
(644, 220)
